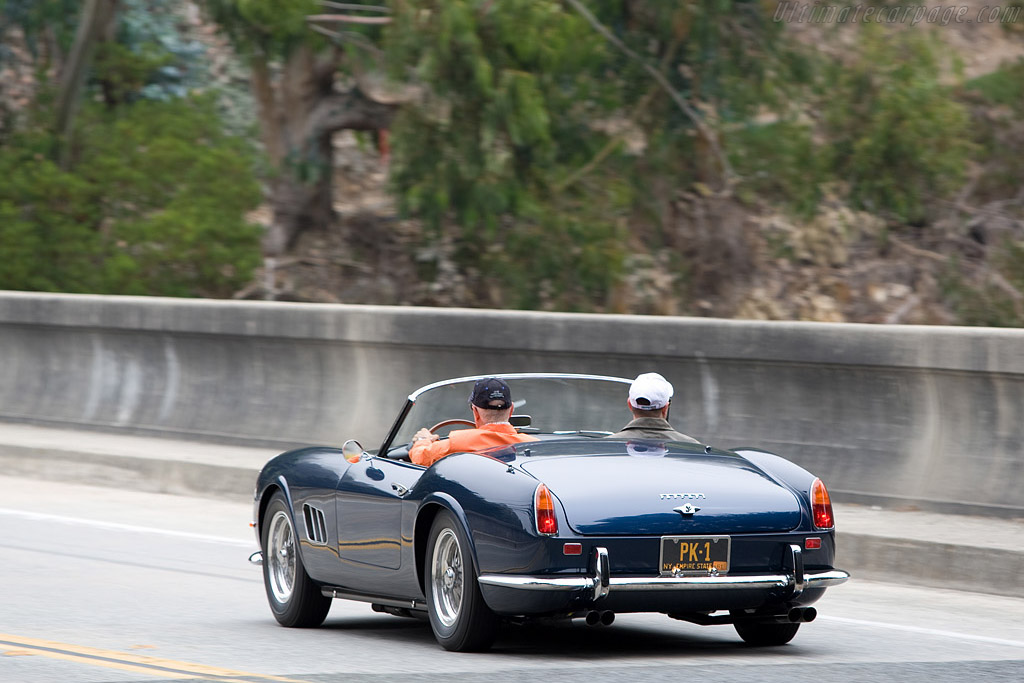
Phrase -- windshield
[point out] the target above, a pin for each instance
(555, 404)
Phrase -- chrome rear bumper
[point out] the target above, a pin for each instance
(600, 583)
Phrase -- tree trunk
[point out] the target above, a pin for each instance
(96, 23)
(299, 110)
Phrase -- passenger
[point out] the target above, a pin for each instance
(649, 397)
(491, 402)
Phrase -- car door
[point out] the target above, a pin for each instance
(369, 508)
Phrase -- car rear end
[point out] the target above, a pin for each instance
(667, 528)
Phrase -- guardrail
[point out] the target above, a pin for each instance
(931, 417)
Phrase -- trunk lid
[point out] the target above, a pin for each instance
(627, 495)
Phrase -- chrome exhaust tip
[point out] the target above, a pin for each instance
(600, 617)
(802, 614)
(256, 558)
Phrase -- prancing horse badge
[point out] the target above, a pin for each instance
(686, 510)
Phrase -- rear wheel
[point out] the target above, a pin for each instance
(294, 598)
(765, 634)
(460, 619)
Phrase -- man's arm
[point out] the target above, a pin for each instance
(427, 448)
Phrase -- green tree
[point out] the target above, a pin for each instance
(153, 204)
(296, 79)
(150, 195)
(898, 137)
(547, 124)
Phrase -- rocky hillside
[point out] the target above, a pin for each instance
(749, 258)
(742, 255)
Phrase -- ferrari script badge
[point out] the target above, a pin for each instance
(686, 510)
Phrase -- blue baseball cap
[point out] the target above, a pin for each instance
(491, 393)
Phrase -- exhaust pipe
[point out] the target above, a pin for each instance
(802, 614)
(600, 618)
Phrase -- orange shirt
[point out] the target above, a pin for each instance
(466, 440)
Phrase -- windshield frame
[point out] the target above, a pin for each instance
(412, 398)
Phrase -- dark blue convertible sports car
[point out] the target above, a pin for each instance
(572, 525)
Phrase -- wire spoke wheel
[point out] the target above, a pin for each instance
(295, 599)
(281, 556)
(459, 617)
(448, 577)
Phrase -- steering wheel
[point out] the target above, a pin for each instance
(448, 423)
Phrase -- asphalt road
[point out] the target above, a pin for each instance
(109, 585)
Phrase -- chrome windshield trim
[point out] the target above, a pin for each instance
(517, 375)
(411, 400)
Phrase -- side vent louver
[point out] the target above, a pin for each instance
(316, 527)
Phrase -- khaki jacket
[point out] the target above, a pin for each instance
(651, 428)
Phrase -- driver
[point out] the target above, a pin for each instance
(491, 402)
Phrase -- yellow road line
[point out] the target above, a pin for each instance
(128, 662)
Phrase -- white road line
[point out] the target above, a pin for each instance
(115, 526)
(924, 631)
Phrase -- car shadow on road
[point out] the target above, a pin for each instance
(623, 639)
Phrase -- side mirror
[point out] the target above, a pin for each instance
(520, 420)
(352, 450)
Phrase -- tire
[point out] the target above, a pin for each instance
(460, 619)
(764, 634)
(294, 598)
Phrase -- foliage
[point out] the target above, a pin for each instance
(523, 140)
(898, 137)
(123, 73)
(150, 30)
(780, 160)
(486, 146)
(987, 304)
(152, 205)
(1004, 86)
(272, 28)
(36, 17)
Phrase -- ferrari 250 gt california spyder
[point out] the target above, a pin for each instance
(574, 524)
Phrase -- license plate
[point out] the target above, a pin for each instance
(694, 554)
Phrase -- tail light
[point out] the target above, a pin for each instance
(544, 511)
(821, 506)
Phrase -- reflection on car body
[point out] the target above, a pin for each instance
(570, 525)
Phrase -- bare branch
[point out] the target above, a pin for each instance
(350, 37)
(680, 101)
(351, 6)
(347, 19)
(1002, 283)
(350, 110)
(608, 148)
(920, 253)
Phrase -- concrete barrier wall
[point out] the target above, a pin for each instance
(925, 416)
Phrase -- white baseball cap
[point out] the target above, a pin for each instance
(650, 391)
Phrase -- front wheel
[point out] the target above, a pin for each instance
(460, 619)
(294, 598)
(765, 634)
